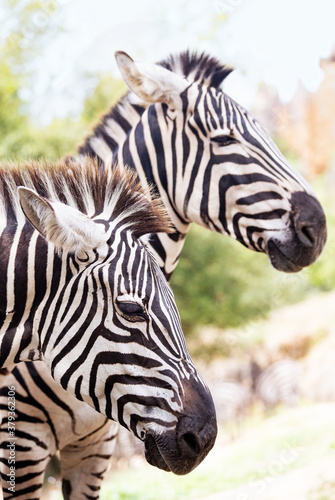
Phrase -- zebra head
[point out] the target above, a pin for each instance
(227, 174)
(111, 334)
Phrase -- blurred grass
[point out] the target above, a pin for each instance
(267, 448)
(301, 435)
(325, 492)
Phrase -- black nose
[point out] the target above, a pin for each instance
(189, 444)
(196, 438)
(309, 221)
(307, 233)
(182, 449)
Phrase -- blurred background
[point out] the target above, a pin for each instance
(241, 317)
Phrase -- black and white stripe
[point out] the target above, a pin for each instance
(81, 292)
(279, 383)
(210, 161)
(49, 420)
(232, 400)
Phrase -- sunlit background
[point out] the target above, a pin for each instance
(58, 76)
(277, 43)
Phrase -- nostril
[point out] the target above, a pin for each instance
(307, 235)
(309, 224)
(190, 444)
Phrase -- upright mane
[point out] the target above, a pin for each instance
(201, 68)
(122, 117)
(81, 185)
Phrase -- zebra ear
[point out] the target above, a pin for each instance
(67, 228)
(151, 82)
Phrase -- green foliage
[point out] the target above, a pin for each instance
(13, 123)
(26, 23)
(53, 142)
(22, 140)
(26, 26)
(108, 91)
(63, 136)
(11, 119)
(221, 283)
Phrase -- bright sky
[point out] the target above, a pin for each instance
(274, 41)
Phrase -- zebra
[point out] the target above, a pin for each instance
(231, 399)
(210, 161)
(81, 292)
(279, 383)
(49, 419)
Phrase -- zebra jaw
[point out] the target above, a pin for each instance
(279, 260)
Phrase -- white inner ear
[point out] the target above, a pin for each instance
(151, 82)
(67, 228)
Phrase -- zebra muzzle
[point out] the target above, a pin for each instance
(305, 239)
(181, 450)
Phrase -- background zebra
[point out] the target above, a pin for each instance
(210, 161)
(279, 383)
(90, 301)
(232, 400)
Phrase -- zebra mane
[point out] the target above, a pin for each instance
(121, 117)
(116, 192)
(201, 68)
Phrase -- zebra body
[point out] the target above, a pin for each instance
(231, 400)
(81, 292)
(209, 160)
(279, 383)
(51, 420)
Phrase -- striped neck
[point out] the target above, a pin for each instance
(158, 166)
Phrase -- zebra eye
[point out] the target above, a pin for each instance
(132, 311)
(224, 140)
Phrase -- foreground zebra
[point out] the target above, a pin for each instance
(211, 162)
(90, 301)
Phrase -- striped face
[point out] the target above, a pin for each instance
(120, 348)
(117, 318)
(244, 187)
(211, 162)
(109, 330)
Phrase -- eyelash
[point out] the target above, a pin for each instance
(132, 311)
(224, 140)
